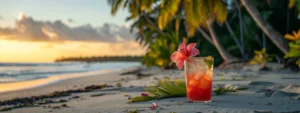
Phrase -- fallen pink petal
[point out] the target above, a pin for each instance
(144, 94)
(153, 106)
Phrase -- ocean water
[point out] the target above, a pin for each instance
(16, 72)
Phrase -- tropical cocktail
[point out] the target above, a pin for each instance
(198, 71)
(198, 76)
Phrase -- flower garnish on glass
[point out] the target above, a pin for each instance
(198, 72)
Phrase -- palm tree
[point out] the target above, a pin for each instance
(160, 50)
(140, 11)
(197, 13)
(137, 8)
(273, 35)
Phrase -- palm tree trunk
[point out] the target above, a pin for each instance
(264, 45)
(234, 38)
(241, 29)
(287, 20)
(205, 35)
(227, 57)
(260, 43)
(273, 35)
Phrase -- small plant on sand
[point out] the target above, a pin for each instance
(293, 37)
(119, 85)
(227, 88)
(261, 57)
(222, 77)
(133, 111)
(164, 89)
(294, 47)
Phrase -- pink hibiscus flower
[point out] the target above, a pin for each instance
(183, 53)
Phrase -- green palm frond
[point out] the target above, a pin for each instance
(176, 88)
(160, 48)
(172, 88)
(192, 14)
(135, 7)
(220, 11)
(146, 5)
(164, 89)
(197, 12)
(115, 5)
(168, 9)
(177, 21)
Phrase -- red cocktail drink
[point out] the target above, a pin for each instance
(198, 73)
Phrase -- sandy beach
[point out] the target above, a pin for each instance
(267, 92)
(150, 56)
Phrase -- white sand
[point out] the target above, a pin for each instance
(115, 102)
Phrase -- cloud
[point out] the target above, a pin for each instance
(70, 20)
(28, 29)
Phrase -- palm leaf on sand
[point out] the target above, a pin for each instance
(227, 88)
(176, 88)
(164, 89)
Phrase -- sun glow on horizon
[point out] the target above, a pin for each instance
(20, 51)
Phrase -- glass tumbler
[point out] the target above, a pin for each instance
(198, 78)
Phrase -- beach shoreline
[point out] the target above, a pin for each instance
(28, 84)
(112, 100)
(55, 83)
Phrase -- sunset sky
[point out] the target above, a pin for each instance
(43, 30)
